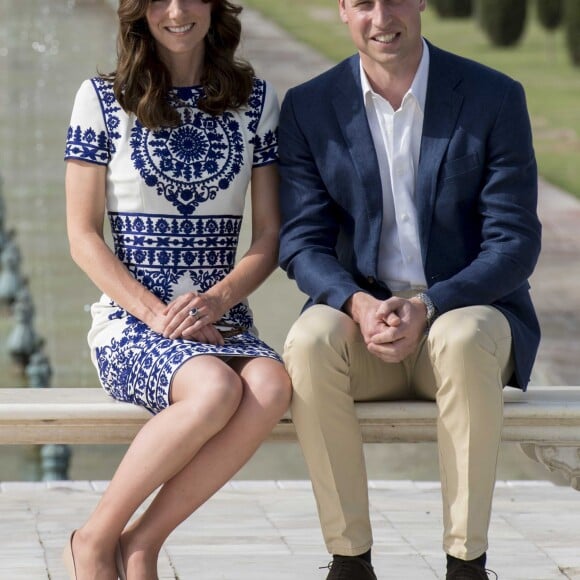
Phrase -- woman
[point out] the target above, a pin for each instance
(166, 146)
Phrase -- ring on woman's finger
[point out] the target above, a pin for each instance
(194, 312)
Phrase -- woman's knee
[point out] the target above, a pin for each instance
(210, 386)
(268, 382)
(281, 394)
(227, 393)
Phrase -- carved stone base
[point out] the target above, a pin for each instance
(562, 459)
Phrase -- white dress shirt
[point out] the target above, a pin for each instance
(397, 139)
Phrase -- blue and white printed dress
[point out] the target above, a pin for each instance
(175, 200)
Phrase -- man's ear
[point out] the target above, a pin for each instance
(342, 10)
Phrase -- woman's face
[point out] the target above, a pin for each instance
(178, 26)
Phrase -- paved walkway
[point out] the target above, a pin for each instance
(266, 530)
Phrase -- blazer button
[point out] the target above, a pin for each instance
(371, 280)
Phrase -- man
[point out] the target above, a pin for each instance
(408, 194)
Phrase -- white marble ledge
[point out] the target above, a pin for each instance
(87, 415)
(545, 421)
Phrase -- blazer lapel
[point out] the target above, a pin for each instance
(441, 111)
(351, 115)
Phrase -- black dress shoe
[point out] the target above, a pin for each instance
(460, 570)
(349, 568)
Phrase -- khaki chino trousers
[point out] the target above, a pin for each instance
(462, 364)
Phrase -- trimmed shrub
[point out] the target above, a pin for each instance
(453, 8)
(550, 13)
(572, 26)
(503, 22)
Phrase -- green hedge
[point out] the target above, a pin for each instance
(503, 21)
(572, 24)
(453, 8)
(550, 13)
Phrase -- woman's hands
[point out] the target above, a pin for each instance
(192, 316)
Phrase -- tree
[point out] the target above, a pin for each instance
(453, 8)
(550, 13)
(572, 25)
(503, 22)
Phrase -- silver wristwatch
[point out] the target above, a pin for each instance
(431, 310)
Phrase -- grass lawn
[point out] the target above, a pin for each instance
(540, 62)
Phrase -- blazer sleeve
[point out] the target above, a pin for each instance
(510, 230)
(310, 217)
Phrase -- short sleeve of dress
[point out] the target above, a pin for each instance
(87, 138)
(266, 139)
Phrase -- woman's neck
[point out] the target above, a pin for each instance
(185, 69)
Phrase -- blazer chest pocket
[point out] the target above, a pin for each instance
(459, 166)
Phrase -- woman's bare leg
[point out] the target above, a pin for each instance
(205, 394)
(267, 393)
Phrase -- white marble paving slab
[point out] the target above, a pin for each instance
(269, 529)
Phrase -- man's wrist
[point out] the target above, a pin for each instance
(431, 311)
(351, 306)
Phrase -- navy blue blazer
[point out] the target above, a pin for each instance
(476, 194)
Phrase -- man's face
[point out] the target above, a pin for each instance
(385, 32)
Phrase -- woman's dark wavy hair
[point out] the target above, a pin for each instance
(141, 81)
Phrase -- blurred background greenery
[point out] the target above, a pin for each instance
(539, 59)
